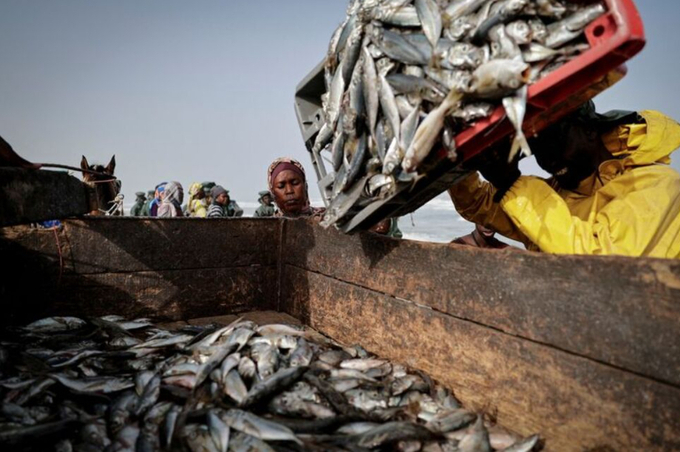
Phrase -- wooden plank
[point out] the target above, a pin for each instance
(576, 403)
(128, 244)
(621, 311)
(165, 295)
(30, 195)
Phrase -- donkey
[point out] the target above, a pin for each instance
(107, 187)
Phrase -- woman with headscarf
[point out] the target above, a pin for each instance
(288, 184)
(196, 205)
(171, 206)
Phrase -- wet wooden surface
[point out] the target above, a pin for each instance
(574, 402)
(621, 311)
(134, 267)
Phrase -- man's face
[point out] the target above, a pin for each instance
(568, 151)
(267, 199)
(289, 192)
(222, 199)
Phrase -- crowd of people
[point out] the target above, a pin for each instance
(288, 196)
(205, 200)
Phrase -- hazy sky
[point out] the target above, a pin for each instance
(203, 90)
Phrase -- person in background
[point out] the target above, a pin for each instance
(288, 185)
(138, 208)
(196, 204)
(158, 197)
(171, 206)
(207, 186)
(266, 208)
(146, 210)
(612, 191)
(233, 209)
(481, 237)
(220, 201)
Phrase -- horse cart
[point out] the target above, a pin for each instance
(583, 350)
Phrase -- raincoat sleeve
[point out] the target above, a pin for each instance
(473, 199)
(643, 207)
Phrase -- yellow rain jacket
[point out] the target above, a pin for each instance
(631, 206)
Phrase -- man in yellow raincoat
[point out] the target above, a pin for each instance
(612, 191)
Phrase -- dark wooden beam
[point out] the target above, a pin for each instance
(35, 195)
(621, 311)
(574, 402)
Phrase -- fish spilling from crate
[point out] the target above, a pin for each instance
(405, 76)
(107, 383)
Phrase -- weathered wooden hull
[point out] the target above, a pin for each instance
(584, 350)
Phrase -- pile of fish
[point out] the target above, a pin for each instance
(111, 384)
(405, 76)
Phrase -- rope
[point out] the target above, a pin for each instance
(61, 257)
(56, 165)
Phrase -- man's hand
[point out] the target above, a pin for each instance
(501, 174)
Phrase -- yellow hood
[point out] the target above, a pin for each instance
(644, 144)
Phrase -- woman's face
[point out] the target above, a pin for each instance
(289, 192)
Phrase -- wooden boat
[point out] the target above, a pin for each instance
(583, 350)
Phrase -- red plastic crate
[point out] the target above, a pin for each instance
(614, 38)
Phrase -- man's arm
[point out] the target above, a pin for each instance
(473, 199)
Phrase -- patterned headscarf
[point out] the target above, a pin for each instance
(284, 163)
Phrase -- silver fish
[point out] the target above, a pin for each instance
(409, 84)
(335, 96)
(396, 46)
(234, 386)
(462, 8)
(408, 128)
(430, 18)
(370, 90)
(198, 438)
(463, 56)
(498, 78)
(515, 108)
(275, 328)
(447, 421)
(219, 431)
(266, 357)
(322, 138)
(100, 385)
(258, 427)
(302, 356)
(402, 16)
(240, 442)
(539, 31)
(352, 52)
(476, 439)
(428, 132)
(246, 367)
(560, 33)
(524, 445)
(520, 31)
(393, 157)
(280, 380)
(55, 324)
(389, 107)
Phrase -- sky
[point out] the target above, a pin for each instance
(204, 90)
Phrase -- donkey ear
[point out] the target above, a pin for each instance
(84, 164)
(111, 166)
